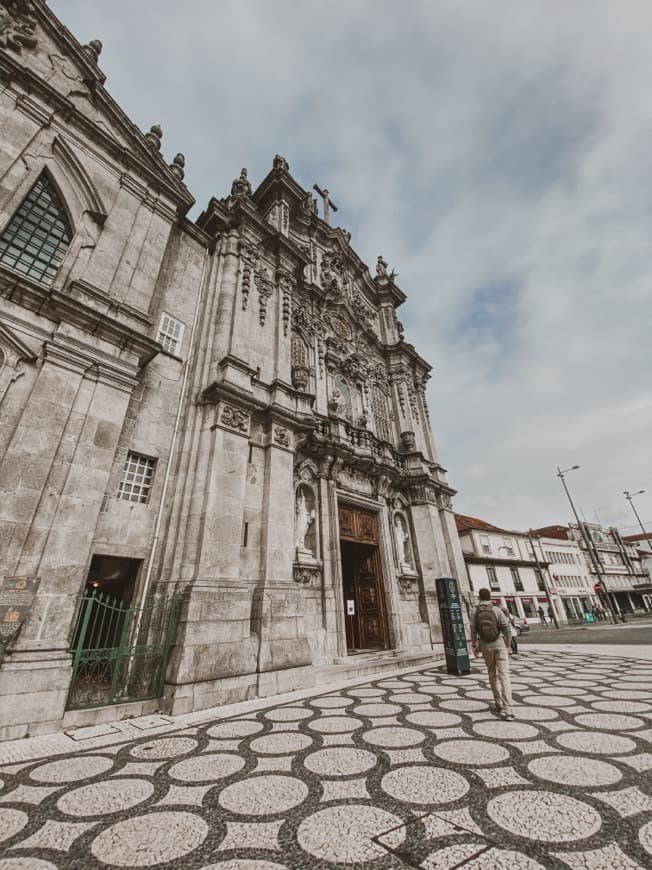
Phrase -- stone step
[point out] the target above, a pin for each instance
(365, 664)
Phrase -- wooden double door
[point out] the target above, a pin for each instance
(364, 599)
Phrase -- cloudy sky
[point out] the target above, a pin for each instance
(498, 154)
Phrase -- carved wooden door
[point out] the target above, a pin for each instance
(372, 625)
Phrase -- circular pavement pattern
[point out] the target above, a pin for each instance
(323, 781)
(149, 839)
(596, 742)
(575, 770)
(112, 796)
(344, 833)
(538, 815)
(207, 767)
(423, 784)
(265, 795)
(473, 752)
(340, 761)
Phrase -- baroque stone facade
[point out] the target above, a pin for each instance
(223, 408)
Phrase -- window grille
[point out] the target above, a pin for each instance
(170, 334)
(37, 237)
(137, 476)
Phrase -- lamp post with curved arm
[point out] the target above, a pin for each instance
(629, 496)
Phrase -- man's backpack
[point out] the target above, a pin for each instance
(487, 623)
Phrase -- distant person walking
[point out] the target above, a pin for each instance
(542, 615)
(491, 635)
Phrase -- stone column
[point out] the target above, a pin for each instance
(278, 605)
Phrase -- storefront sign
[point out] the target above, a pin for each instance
(452, 626)
(16, 598)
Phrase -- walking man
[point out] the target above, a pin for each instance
(491, 635)
(542, 615)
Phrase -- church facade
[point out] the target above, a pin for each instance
(221, 411)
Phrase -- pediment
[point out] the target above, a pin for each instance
(13, 346)
(55, 67)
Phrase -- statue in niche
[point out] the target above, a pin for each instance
(402, 537)
(304, 517)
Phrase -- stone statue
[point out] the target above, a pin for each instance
(241, 186)
(402, 542)
(381, 267)
(303, 519)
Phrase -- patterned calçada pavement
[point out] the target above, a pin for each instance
(407, 771)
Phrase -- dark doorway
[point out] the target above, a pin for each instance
(113, 576)
(362, 579)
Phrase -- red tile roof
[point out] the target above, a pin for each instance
(640, 537)
(560, 532)
(465, 523)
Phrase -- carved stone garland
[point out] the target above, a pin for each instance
(265, 287)
(248, 257)
(287, 285)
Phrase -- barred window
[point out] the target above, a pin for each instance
(37, 237)
(137, 476)
(170, 333)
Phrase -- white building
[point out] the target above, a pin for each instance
(504, 562)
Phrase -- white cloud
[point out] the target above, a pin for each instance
(476, 145)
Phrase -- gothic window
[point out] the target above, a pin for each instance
(37, 237)
(381, 414)
(345, 398)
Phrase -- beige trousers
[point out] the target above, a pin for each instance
(498, 667)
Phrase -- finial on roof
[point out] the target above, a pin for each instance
(177, 166)
(241, 186)
(154, 136)
(93, 50)
(281, 163)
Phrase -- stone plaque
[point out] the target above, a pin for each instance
(16, 598)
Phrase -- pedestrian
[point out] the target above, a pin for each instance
(513, 645)
(542, 615)
(491, 635)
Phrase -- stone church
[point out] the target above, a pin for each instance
(222, 415)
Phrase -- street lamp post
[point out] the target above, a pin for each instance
(589, 549)
(629, 496)
(551, 606)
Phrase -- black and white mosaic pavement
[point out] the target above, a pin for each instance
(408, 771)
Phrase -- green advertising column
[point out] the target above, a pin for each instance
(452, 626)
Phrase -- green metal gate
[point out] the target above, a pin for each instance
(120, 652)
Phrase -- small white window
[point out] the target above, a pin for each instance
(484, 543)
(137, 476)
(170, 334)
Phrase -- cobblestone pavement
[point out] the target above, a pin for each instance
(407, 771)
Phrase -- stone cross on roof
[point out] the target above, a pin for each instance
(328, 202)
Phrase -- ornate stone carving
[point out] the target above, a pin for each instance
(340, 327)
(305, 574)
(248, 258)
(300, 378)
(154, 137)
(364, 312)
(93, 50)
(309, 204)
(17, 25)
(241, 186)
(408, 441)
(281, 436)
(381, 267)
(287, 285)
(335, 279)
(445, 501)
(265, 289)
(177, 166)
(235, 418)
(281, 163)
(423, 493)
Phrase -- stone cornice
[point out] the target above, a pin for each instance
(87, 308)
(76, 356)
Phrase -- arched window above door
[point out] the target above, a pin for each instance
(37, 237)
